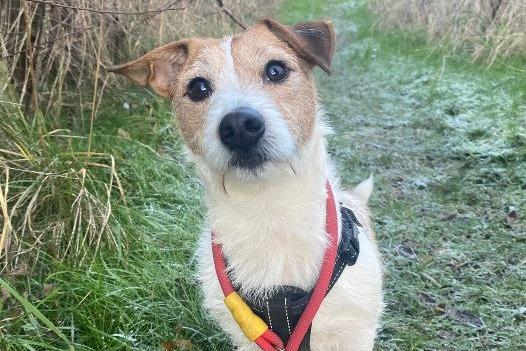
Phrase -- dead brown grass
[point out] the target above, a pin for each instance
(488, 29)
(53, 198)
(53, 49)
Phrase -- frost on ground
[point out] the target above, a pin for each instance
(446, 141)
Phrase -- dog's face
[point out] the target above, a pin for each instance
(244, 101)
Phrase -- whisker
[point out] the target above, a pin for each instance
(224, 185)
(292, 168)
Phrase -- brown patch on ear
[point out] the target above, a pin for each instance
(158, 68)
(313, 41)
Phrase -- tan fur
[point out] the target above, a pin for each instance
(206, 60)
(270, 223)
(250, 58)
(313, 42)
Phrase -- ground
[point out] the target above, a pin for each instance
(446, 141)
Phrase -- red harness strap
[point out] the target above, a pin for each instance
(268, 340)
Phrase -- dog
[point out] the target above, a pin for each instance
(247, 107)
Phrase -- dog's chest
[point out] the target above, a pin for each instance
(272, 239)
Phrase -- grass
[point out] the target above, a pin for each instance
(445, 140)
(139, 300)
(447, 143)
(489, 30)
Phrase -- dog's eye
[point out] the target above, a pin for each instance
(198, 89)
(276, 71)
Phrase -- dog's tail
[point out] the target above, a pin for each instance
(364, 190)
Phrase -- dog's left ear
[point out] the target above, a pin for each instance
(312, 41)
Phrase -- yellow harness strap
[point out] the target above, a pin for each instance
(251, 325)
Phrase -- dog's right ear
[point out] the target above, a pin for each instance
(312, 41)
(158, 69)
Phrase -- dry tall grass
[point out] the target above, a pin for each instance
(489, 29)
(57, 195)
(52, 196)
(53, 49)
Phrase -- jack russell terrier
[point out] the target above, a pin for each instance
(288, 260)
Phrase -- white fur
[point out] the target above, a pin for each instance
(229, 95)
(272, 226)
(273, 233)
(364, 190)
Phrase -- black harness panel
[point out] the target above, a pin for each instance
(283, 309)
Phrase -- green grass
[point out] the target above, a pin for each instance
(140, 299)
(446, 141)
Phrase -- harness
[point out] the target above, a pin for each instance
(285, 317)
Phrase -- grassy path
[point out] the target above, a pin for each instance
(447, 144)
(446, 141)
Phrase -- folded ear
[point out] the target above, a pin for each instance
(158, 69)
(312, 41)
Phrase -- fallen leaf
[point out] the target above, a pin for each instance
(20, 269)
(48, 288)
(168, 346)
(428, 300)
(124, 134)
(15, 313)
(465, 317)
(511, 216)
(406, 251)
(456, 265)
(179, 345)
(450, 216)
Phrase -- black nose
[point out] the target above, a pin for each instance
(241, 129)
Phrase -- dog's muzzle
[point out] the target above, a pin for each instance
(241, 132)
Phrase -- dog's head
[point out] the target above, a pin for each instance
(245, 101)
